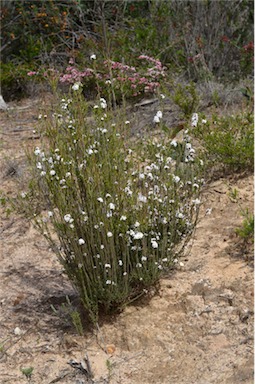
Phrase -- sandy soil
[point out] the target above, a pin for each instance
(198, 329)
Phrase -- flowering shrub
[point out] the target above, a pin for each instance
(123, 81)
(116, 81)
(122, 211)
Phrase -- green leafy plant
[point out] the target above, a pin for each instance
(186, 97)
(246, 231)
(67, 310)
(227, 141)
(110, 367)
(27, 372)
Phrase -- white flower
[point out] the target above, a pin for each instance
(162, 96)
(123, 218)
(103, 103)
(142, 198)
(128, 191)
(179, 215)
(93, 57)
(76, 86)
(204, 121)
(102, 246)
(137, 224)
(43, 173)
(159, 114)
(139, 265)
(68, 218)
(112, 206)
(127, 122)
(39, 165)
(81, 241)
(124, 273)
(138, 236)
(108, 82)
(194, 120)
(23, 195)
(100, 199)
(50, 213)
(143, 258)
(174, 143)
(37, 151)
(181, 264)
(107, 265)
(156, 119)
(196, 201)
(154, 244)
(108, 282)
(176, 179)
(68, 174)
(109, 234)
(52, 172)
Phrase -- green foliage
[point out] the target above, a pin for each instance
(67, 310)
(228, 141)
(27, 371)
(14, 79)
(116, 211)
(246, 231)
(186, 97)
(200, 39)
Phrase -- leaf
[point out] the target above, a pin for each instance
(27, 371)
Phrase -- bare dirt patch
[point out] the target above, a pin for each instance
(198, 329)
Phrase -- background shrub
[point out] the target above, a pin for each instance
(200, 39)
(228, 141)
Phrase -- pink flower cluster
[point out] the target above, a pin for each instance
(157, 63)
(138, 82)
(249, 47)
(73, 75)
(120, 66)
(32, 73)
(133, 81)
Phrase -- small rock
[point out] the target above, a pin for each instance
(18, 331)
(3, 104)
